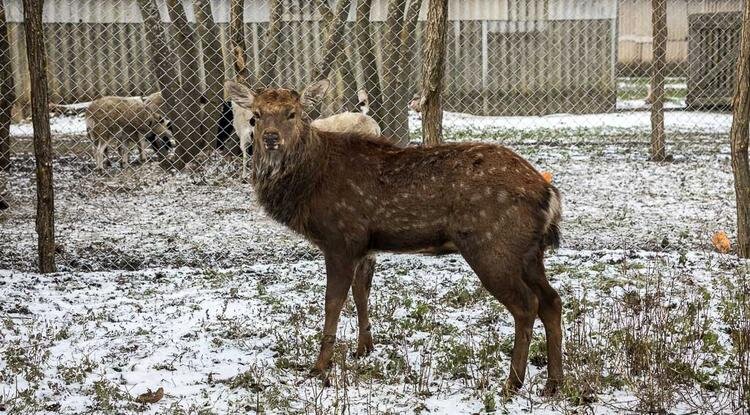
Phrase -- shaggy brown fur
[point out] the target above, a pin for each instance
(354, 195)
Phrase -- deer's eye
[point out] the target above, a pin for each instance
(291, 115)
(252, 122)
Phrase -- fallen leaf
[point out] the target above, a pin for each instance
(547, 176)
(150, 397)
(721, 242)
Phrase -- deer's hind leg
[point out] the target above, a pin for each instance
(550, 312)
(142, 150)
(501, 274)
(361, 292)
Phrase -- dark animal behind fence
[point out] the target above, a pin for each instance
(353, 195)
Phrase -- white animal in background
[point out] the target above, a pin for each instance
(416, 103)
(350, 121)
(243, 123)
(123, 122)
(346, 122)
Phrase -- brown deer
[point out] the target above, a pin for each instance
(353, 195)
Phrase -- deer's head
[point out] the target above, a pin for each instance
(278, 117)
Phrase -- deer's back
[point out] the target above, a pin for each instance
(425, 195)
(129, 114)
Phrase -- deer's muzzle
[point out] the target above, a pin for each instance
(271, 140)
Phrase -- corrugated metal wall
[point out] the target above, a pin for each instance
(256, 11)
(554, 55)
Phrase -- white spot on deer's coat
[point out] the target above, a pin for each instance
(355, 187)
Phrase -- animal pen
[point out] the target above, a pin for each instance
(569, 85)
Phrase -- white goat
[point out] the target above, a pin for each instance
(123, 122)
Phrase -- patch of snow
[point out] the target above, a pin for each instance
(607, 124)
(59, 124)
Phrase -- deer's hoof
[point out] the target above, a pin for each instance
(510, 389)
(551, 388)
(322, 374)
(364, 348)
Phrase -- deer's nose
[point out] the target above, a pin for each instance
(271, 139)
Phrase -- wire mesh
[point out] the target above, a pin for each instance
(154, 177)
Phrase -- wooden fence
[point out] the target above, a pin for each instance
(714, 47)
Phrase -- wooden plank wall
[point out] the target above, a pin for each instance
(714, 46)
(634, 21)
(558, 66)
(564, 67)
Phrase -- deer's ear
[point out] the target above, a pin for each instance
(362, 96)
(240, 94)
(314, 92)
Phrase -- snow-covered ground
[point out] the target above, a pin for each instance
(222, 307)
(643, 331)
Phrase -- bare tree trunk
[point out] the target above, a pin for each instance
(7, 93)
(271, 50)
(407, 64)
(45, 195)
(333, 47)
(188, 119)
(162, 59)
(327, 14)
(334, 42)
(348, 77)
(739, 137)
(237, 39)
(213, 62)
(433, 71)
(367, 58)
(659, 47)
(396, 116)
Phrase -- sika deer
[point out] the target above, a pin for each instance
(353, 195)
(123, 122)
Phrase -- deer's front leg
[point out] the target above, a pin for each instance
(339, 274)
(361, 293)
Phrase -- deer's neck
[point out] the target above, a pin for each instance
(285, 182)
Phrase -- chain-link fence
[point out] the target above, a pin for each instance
(624, 104)
(155, 177)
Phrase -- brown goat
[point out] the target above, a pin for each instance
(353, 195)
